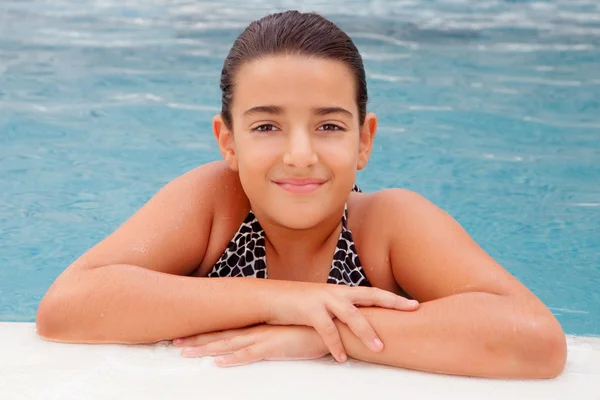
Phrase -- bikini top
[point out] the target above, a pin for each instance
(245, 256)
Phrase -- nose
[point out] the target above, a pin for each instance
(300, 150)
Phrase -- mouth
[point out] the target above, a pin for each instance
(300, 185)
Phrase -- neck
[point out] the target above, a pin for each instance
(298, 249)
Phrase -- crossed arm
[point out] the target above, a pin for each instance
(474, 318)
(475, 334)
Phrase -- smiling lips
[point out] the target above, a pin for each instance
(300, 185)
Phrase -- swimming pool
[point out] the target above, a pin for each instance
(490, 109)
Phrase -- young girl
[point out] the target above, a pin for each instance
(342, 266)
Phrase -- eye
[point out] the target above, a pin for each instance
(264, 128)
(331, 127)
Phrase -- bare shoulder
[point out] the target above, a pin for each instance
(403, 205)
(427, 252)
(370, 225)
(171, 232)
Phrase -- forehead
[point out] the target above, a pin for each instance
(294, 82)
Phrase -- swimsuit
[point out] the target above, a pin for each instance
(245, 256)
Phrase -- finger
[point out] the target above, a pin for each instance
(204, 338)
(218, 347)
(357, 323)
(380, 298)
(242, 356)
(325, 326)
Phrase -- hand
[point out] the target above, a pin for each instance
(260, 342)
(316, 305)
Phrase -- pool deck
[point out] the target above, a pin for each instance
(32, 368)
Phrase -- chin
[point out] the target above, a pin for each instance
(296, 211)
(297, 220)
(297, 216)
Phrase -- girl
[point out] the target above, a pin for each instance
(341, 265)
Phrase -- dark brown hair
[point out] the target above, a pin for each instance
(293, 33)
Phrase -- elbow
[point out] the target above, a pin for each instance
(60, 315)
(54, 320)
(46, 322)
(547, 352)
(556, 356)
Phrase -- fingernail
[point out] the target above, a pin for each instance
(178, 341)
(343, 357)
(377, 344)
(413, 302)
(219, 360)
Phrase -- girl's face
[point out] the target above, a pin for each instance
(296, 140)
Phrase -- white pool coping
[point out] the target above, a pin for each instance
(32, 368)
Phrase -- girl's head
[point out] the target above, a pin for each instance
(293, 33)
(293, 121)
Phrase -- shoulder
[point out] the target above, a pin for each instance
(392, 197)
(213, 183)
(214, 174)
(375, 220)
(396, 211)
(428, 252)
(228, 205)
(386, 227)
(385, 208)
(182, 215)
(205, 190)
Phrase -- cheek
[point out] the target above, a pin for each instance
(256, 155)
(342, 153)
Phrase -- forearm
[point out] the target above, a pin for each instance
(130, 304)
(475, 334)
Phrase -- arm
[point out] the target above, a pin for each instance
(474, 334)
(131, 304)
(133, 286)
(474, 319)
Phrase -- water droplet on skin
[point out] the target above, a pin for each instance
(141, 248)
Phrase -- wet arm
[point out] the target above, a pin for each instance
(475, 334)
(475, 317)
(130, 304)
(135, 285)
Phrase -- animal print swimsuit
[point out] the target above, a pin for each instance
(245, 256)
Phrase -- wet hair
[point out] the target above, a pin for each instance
(292, 33)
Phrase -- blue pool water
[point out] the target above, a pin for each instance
(491, 109)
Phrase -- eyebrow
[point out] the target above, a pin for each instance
(331, 110)
(276, 110)
(264, 110)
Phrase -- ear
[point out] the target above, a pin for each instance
(367, 134)
(225, 141)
